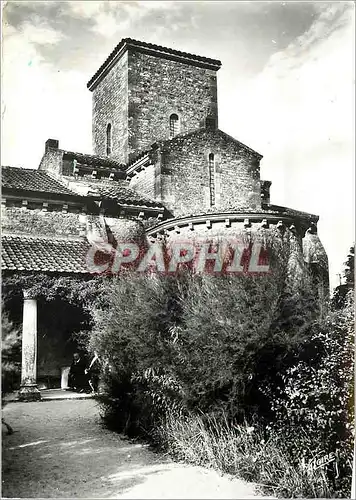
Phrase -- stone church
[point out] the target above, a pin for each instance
(160, 168)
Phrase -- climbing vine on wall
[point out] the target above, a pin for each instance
(64, 295)
(74, 289)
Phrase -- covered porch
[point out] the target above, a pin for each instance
(49, 340)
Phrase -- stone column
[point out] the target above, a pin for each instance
(28, 389)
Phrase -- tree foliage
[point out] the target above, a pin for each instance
(10, 353)
(348, 281)
(74, 289)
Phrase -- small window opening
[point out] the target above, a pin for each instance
(173, 125)
(108, 139)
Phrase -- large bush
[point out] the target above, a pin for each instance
(133, 336)
(196, 342)
(231, 349)
(315, 398)
(235, 332)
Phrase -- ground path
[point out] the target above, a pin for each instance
(60, 449)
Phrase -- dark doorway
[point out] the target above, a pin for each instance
(59, 324)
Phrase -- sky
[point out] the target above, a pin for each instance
(286, 87)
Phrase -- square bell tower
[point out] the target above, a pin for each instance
(144, 93)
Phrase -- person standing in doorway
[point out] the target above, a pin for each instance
(77, 379)
(93, 373)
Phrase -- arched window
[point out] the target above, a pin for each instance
(212, 179)
(173, 125)
(108, 139)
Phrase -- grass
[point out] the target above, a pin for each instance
(243, 452)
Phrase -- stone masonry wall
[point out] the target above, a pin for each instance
(185, 181)
(144, 182)
(37, 222)
(159, 87)
(110, 105)
(51, 162)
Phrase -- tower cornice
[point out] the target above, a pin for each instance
(154, 50)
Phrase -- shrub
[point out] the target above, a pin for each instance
(190, 358)
(246, 452)
(230, 330)
(191, 331)
(136, 405)
(132, 336)
(315, 398)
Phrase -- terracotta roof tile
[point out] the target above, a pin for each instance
(139, 155)
(122, 194)
(180, 138)
(23, 253)
(32, 180)
(39, 181)
(94, 160)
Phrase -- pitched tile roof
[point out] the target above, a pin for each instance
(180, 138)
(39, 181)
(23, 253)
(204, 131)
(32, 180)
(139, 155)
(94, 160)
(162, 51)
(122, 194)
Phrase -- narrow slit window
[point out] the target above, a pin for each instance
(212, 179)
(108, 139)
(173, 125)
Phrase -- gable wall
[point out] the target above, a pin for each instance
(185, 181)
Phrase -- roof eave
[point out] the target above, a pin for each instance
(18, 193)
(111, 164)
(141, 162)
(292, 212)
(115, 55)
